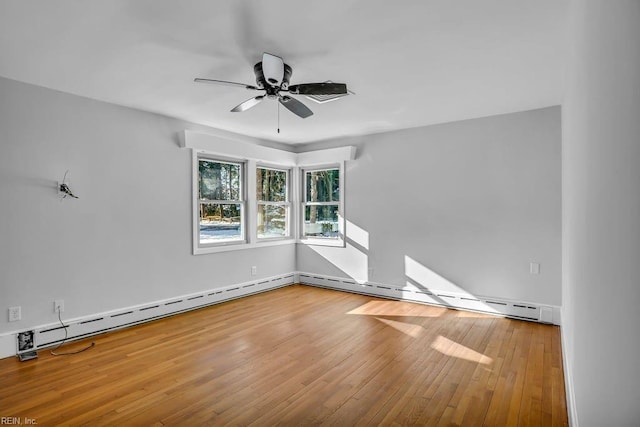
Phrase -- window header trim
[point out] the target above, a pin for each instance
(215, 145)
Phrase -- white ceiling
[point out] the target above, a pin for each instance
(410, 63)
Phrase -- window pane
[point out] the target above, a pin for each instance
(220, 222)
(272, 221)
(271, 185)
(321, 221)
(323, 186)
(219, 181)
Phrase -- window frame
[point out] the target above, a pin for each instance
(287, 203)
(230, 148)
(339, 241)
(198, 202)
(248, 187)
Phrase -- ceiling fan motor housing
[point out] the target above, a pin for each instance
(262, 83)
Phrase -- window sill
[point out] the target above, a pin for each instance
(242, 246)
(339, 243)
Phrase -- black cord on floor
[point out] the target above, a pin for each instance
(66, 335)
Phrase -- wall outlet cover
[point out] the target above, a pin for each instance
(58, 303)
(534, 268)
(15, 314)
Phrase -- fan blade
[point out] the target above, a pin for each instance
(251, 102)
(319, 89)
(273, 69)
(223, 82)
(295, 106)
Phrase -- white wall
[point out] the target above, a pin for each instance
(601, 213)
(127, 239)
(473, 201)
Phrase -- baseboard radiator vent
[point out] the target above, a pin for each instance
(460, 301)
(47, 336)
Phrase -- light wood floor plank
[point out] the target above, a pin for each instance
(300, 356)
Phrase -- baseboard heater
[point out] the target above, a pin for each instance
(53, 334)
(47, 336)
(517, 310)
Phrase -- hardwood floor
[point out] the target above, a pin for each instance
(300, 356)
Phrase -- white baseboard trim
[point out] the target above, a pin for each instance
(8, 345)
(498, 306)
(568, 383)
(52, 334)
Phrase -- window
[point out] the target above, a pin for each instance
(321, 207)
(272, 194)
(247, 196)
(221, 204)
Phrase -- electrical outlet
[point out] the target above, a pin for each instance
(15, 314)
(254, 270)
(58, 306)
(534, 268)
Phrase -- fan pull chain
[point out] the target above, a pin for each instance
(278, 117)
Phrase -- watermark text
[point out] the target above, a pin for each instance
(17, 421)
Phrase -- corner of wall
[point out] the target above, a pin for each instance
(572, 412)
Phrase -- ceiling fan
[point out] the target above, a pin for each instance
(272, 77)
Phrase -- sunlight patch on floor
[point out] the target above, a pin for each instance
(406, 328)
(397, 308)
(453, 349)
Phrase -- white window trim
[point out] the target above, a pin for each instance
(316, 241)
(235, 148)
(250, 210)
(226, 245)
(290, 218)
